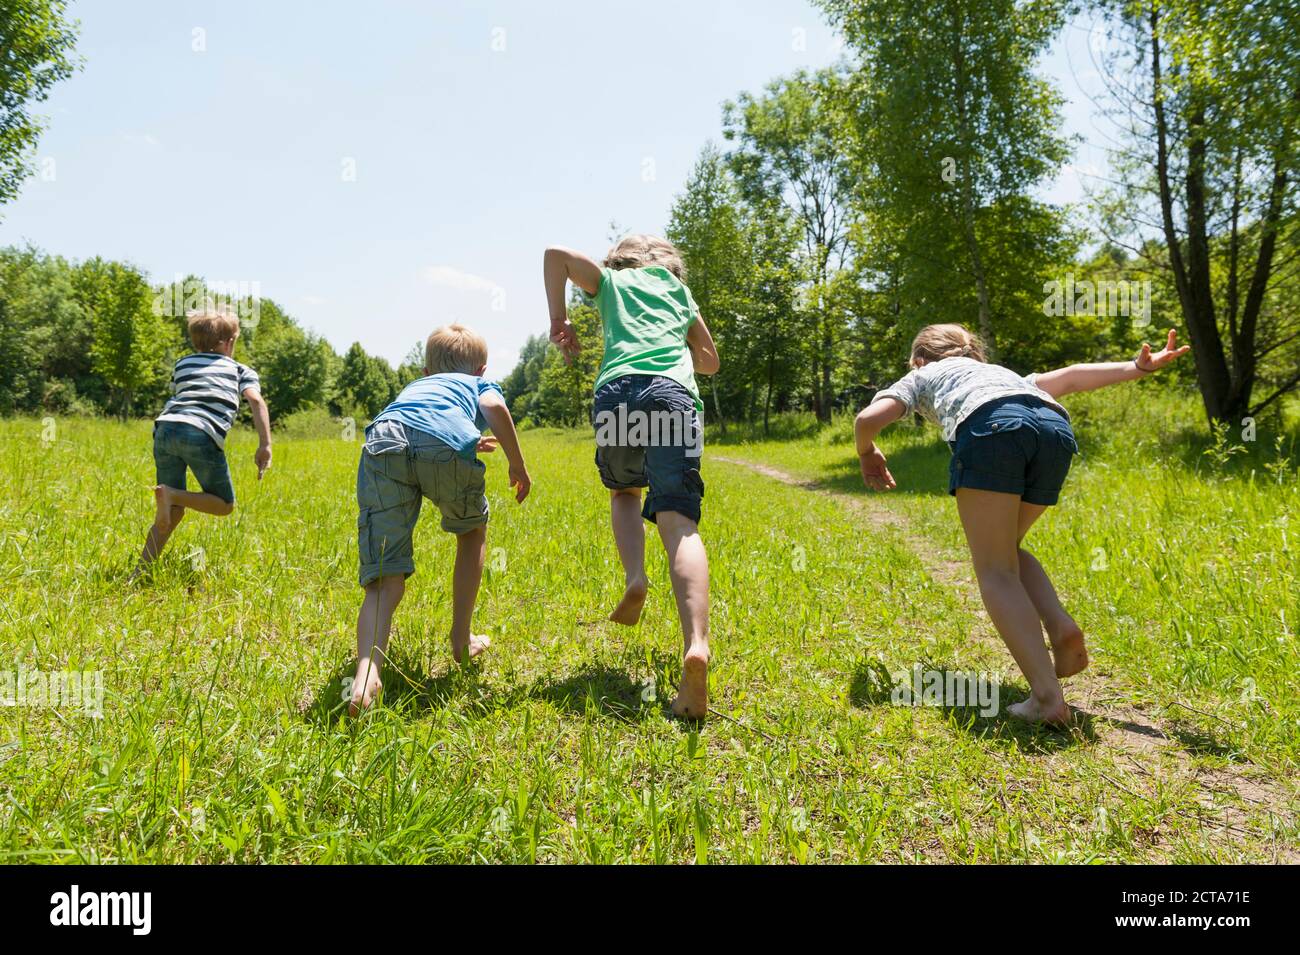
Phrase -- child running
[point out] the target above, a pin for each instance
(1012, 446)
(423, 446)
(648, 435)
(190, 433)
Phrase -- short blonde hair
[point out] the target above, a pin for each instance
(210, 326)
(455, 348)
(937, 342)
(638, 250)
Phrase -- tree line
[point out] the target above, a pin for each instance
(848, 207)
(96, 337)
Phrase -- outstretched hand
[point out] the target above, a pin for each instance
(1147, 361)
(566, 339)
(875, 470)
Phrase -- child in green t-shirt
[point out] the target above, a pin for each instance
(647, 418)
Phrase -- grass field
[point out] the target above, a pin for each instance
(222, 737)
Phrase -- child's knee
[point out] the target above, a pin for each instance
(226, 509)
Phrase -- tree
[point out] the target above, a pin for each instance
(520, 386)
(788, 155)
(364, 382)
(36, 45)
(1209, 107)
(742, 272)
(953, 128)
(564, 390)
(294, 367)
(129, 338)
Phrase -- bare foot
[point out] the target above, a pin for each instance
(692, 699)
(628, 611)
(1068, 649)
(366, 687)
(477, 644)
(1035, 711)
(162, 499)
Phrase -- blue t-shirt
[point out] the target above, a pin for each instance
(445, 406)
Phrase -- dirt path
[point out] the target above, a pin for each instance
(1152, 753)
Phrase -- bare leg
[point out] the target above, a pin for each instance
(990, 520)
(629, 536)
(688, 564)
(465, 580)
(165, 520)
(374, 623)
(196, 501)
(1063, 631)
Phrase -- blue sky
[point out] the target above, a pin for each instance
(381, 168)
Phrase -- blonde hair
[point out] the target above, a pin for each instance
(211, 325)
(937, 342)
(637, 251)
(455, 348)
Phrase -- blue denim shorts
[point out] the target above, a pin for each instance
(177, 446)
(1018, 445)
(661, 453)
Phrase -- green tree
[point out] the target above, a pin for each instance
(364, 383)
(953, 129)
(294, 367)
(1209, 108)
(129, 338)
(789, 162)
(36, 51)
(564, 390)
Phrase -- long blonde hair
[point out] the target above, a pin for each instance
(937, 342)
(638, 250)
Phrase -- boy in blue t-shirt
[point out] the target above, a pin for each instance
(423, 446)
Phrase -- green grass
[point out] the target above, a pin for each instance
(222, 737)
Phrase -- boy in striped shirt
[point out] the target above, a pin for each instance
(191, 431)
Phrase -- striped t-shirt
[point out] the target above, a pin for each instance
(205, 393)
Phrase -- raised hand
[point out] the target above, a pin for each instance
(875, 470)
(1147, 361)
(566, 339)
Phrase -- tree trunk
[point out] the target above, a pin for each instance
(1191, 275)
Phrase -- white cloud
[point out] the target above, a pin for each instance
(448, 277)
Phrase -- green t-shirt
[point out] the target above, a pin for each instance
(646, 314)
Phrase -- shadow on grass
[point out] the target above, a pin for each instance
(408, 687)
(1200, 743)
(601, 691)
(872, 684)
(596, 690)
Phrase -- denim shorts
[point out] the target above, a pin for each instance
(648, 434)
(1018, 445)
(399, 467)
(177, 446)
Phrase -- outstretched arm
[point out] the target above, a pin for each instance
(262, 422)
(1076, 378)
(872, 420)
(560, 265)
(704, 354)
(497, 416)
